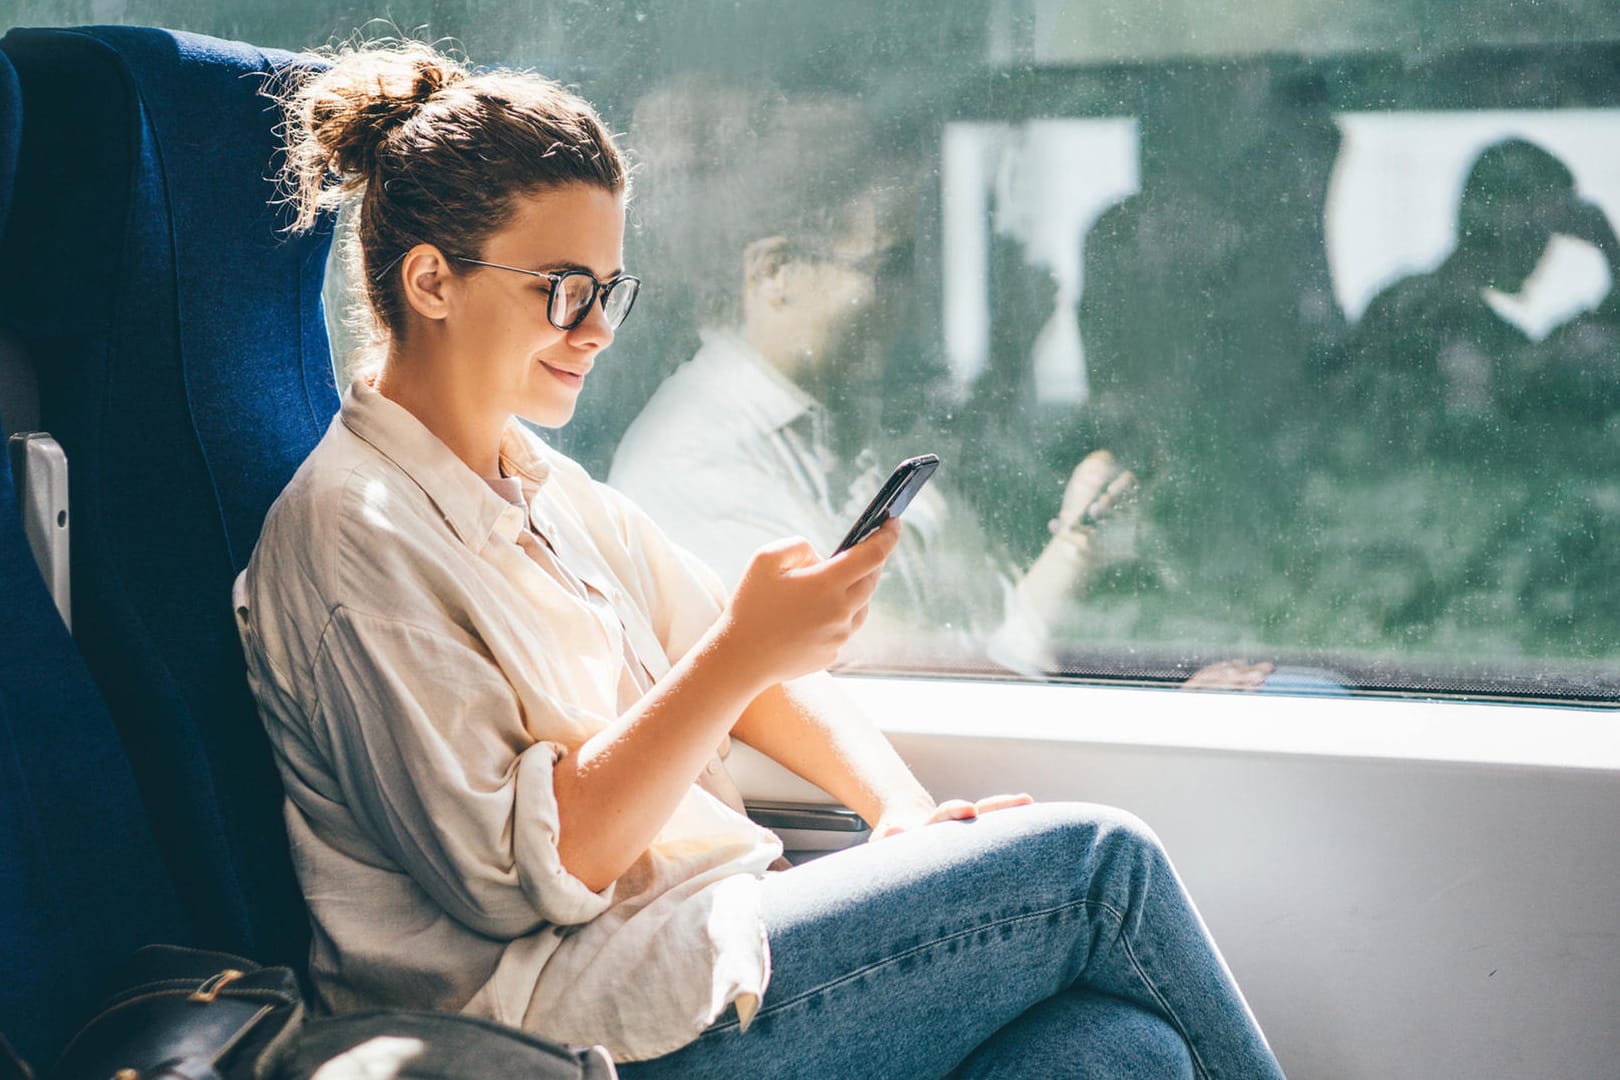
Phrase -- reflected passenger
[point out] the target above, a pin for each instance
(736, 449)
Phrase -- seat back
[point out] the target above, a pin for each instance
(81, 883)
(184, 367)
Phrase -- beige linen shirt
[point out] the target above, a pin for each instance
(419, 675)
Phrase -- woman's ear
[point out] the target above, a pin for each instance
(426, 278)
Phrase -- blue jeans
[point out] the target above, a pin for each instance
(1044, 941)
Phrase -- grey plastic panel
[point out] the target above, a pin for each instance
(41, 471)
(806, 828)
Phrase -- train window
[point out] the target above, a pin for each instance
(1262, 345)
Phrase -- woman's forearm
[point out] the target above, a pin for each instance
(789, 616)
(616, 790)
(812, 728)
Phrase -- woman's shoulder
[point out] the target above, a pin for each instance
(343, 495)
(320, 491)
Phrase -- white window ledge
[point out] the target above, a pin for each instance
(1566, 737)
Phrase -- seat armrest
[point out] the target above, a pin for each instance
(809, 829)
(40, 471)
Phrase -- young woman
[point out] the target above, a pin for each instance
(500, 699)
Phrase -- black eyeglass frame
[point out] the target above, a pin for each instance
(600, 290)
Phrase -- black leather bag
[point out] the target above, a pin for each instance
(187, 1014)
(433, 1046)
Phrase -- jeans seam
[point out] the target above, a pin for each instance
(1164, 1006)
(918, 948)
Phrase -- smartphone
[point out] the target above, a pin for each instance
(892, 499)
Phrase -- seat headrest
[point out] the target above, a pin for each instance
(145, 171)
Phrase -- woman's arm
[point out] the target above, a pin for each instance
(790, 615)
(811, 727)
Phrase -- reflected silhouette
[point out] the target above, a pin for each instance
(1208, 316)
(1466, 431)
(1213, 277)
(1437, 367)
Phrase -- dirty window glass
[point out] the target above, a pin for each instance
(1263, 344)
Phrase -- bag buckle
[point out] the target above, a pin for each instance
(211, 986)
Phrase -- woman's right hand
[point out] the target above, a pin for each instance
(792, 611)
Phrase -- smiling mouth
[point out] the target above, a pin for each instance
(572, 378)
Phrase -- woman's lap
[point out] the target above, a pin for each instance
(899, 958)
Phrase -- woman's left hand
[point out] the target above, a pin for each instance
(899, 821)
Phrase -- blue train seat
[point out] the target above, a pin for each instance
(183, 365)
(81, 882)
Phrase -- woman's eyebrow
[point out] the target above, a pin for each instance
(562, 267)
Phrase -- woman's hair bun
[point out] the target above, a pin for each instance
(340, 119)
(355, 104)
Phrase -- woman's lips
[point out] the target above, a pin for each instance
(574, 379)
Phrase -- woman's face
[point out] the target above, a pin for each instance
(517, 361)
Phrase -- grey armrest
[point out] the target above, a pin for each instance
(810, 829)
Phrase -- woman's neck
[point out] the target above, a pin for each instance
(442, 404)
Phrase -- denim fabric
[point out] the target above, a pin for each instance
(1046, 941)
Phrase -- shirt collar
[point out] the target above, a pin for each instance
(470, 506)
(730, 362)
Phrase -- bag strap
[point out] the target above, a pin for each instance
(184, 1069)
(12, 1067)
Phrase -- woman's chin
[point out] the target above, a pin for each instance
(549, 416)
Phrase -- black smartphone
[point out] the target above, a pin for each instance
(892, 499)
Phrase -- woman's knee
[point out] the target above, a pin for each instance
(1107, 830)
(1102, 852)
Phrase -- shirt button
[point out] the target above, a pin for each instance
(713, 766)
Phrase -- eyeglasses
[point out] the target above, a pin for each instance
(574, 291)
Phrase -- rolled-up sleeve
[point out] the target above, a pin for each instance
(436, 759)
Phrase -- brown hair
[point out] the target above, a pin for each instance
(435, 153)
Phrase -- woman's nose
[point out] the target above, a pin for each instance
(594, 331)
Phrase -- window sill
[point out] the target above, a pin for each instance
(1538, 736)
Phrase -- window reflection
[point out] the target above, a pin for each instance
(1361, 449)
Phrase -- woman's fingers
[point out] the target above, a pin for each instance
(862, 590)
(950, 810)
(868, 556)
(953, 810)
(1002, 802)
(963, 810)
